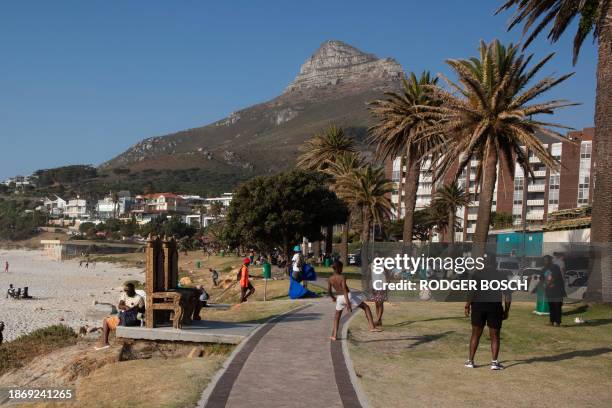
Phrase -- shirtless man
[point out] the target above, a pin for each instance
(344, 298)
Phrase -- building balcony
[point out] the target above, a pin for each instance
(534, 159)
(539, 173)
(470, 230)
(472, 217)
(535, 215)
(536, 202)
(536, 187)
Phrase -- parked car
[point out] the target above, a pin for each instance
(509, 264)
(576, 276)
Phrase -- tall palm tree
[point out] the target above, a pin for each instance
(345, 164)
(324, 148)
(489, 115)
(319, 153)
(398, 131)
(366, 191)
(595, 16)
(447, 200)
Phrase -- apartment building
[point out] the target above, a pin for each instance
(114, 205)
(570, 186)
(78, 208)
(149, 206)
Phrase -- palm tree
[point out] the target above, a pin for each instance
(366, 191)
(345, 164)
(323, 149)
(488, 117)
(319, 153)
(447, 200)
(401, 120)
(596, 16)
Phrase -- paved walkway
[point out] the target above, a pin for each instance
(289, 363)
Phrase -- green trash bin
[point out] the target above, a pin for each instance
(222, 253)
(267, 270)
(327, 262)
(198, 264)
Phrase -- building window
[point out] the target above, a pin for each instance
(553, 188)
(584, 173)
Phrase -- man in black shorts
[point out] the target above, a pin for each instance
(485, 308)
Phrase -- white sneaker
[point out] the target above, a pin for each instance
(496, 365)
(470, 364)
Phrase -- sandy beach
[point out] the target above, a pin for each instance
(62, 292)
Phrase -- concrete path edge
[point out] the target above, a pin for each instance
(215, 379)
(363, 400)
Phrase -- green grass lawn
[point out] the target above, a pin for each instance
(418, 359)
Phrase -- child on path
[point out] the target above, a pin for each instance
(344, 298)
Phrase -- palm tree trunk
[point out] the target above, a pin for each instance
(485, 200)
(344, 244)
(329, 239)
(600, 282)
(366, 227)
(410, 190)
(451, 226)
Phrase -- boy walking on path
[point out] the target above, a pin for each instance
(246, 288)
(344, 298)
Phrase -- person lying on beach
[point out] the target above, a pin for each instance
(130, 304)
(345, 299)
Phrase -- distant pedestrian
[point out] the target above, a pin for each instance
(559, 260)
(6, 267)
(1, 330)
(246, 288)
(551, 280)
(215, 276)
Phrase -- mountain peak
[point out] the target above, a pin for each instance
(336, 62)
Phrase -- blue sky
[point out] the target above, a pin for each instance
(80, 81)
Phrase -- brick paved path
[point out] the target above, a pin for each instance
(289, 363)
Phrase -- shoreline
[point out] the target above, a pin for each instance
(63, 292)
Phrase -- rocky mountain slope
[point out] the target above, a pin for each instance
(333, 86)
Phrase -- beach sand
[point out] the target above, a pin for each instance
(63, 292)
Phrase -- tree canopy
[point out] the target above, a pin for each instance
(277, 211)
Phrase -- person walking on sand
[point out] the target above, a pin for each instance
(345, 299)
(6, 267)
(246, 288)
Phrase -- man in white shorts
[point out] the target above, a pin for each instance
(345, 299)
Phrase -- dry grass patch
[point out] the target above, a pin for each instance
(22, 350)
(418, 359)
